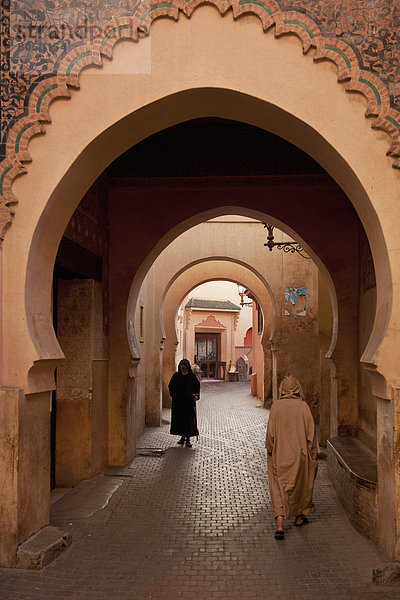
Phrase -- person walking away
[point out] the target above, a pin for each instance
(292, 448)
(184, 388)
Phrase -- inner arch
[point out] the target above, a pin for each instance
(226, 270)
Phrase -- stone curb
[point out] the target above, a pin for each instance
(42, 548)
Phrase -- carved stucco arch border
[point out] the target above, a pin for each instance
(270, 14)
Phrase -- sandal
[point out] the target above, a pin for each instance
(304, 520)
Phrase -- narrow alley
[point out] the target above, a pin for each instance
(196, 523)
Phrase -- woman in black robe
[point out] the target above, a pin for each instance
(184, 388)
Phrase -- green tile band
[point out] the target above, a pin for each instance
(300, 24)
(42, 95)
(373, 88)
(393, 121)
(158, 5)
(342, 54)
(112, 31)
(258, 2)
(75, 60)
(2, 178)
(20, 133)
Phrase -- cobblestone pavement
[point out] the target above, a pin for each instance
(196, 523)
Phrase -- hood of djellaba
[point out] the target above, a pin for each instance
(185, 362)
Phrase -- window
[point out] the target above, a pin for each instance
(206, 348)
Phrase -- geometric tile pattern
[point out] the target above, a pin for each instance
(197, 524)
(45, 45)
(35, 36)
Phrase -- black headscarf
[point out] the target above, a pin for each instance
(185, 362)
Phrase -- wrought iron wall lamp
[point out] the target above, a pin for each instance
(242, 293)
(285, 246)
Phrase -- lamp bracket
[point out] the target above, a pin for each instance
(288, 247)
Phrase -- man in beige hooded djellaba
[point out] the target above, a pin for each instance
(292, 448)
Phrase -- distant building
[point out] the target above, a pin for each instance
(209, 340)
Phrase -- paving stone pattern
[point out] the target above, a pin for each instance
(196, 523)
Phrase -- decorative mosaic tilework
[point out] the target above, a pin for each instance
(37, 34)
(371, 27)
(46, 43)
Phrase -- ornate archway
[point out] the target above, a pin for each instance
(223, 86)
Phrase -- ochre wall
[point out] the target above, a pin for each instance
(298, 346)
